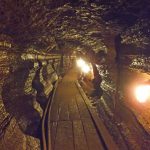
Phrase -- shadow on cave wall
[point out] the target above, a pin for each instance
(39, 87)
(18, 100)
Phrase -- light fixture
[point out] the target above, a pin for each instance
(142, 93)
(80, 62)
(85, 68)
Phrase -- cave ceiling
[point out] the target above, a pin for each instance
(69, 25)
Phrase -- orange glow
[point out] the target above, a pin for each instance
(142, 93)
(80, 62)
(84, 66)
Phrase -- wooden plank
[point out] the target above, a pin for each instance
(92, 137)
(82, 107)
(73, 110)
(64, 136)
(79, 136)
(107, 138)
(54, 115)
(53, 133)
(64, 112)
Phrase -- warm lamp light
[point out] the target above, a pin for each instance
(80, 62)
(83, 65)
(142, 93)
(86, 68)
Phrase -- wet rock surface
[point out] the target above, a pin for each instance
(120, 110)
(122, 121)
(22, 103)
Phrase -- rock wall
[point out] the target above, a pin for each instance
(24, 89)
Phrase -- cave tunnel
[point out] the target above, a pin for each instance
(74, 75)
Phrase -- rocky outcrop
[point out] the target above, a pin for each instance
(17, 93)
(25, 87)
(43, 82)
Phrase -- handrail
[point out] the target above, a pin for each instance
(46, 140)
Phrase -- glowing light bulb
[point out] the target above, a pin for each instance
(142, 93)
(80, 62)
(86, 68)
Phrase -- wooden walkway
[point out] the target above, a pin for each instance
(72, 127)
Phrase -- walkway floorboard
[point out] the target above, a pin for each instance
(71, 125)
